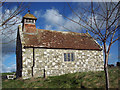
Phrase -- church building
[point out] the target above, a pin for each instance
(41, 53)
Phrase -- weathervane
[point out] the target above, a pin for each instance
(29, 11)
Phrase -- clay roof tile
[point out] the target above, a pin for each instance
(61, 40)
(28, 15)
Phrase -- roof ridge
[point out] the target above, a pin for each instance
(62, 31)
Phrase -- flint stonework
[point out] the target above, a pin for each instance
(52, 60)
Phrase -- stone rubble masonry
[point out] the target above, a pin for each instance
(52, 61)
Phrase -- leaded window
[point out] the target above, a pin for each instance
(69, 57)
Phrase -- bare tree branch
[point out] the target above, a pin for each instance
(10, 18)
(104, 26)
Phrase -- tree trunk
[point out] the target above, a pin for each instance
(106, 71)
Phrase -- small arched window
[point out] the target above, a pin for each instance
(30, 21)
(27, 20)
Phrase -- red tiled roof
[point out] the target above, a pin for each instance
(57, 39)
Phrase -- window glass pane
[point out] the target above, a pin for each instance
(68, 56)
(65, 57)
(72, 56)
(31, 21)
(27, 20)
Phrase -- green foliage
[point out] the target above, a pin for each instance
(4, 74)
(74, 80)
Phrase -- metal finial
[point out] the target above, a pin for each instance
(29, 11)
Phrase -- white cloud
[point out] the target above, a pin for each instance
(8, 63)
(107, 47)
(48, 27)
(92, 19)
(56, 21)
(38, 14)
(112, 59)
(8, 69)
(9, 34)
(5, 57)
(53, 16)
(10, 29)
(71, 25)
(9, 37)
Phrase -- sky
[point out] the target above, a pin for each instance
(49, 15)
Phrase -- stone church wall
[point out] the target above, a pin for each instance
(50, 62)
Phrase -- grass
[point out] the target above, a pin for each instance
(74, 80)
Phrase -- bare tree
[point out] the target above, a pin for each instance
(10, 18)
(101, 20)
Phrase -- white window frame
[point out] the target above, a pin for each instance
(70, 58)
(29, 21)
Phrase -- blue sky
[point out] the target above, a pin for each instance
(48, 14)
